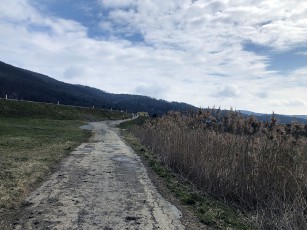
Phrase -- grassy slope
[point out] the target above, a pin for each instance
(29, 148)
(22, 109)
(209, 210)
(34, 137)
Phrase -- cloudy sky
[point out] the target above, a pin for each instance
(245, 54)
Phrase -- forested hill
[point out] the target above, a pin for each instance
(23, 84)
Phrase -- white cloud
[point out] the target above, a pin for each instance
(117, 3)
(262, 94)
(298, 78)
(296, 102)
(18, 10)
(302, 53)
(228, 91)
(164, 22)
(156, 90)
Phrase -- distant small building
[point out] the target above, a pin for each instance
(143, 114)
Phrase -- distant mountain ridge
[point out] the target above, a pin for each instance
(281, 118)
(23, 84)
(300, 116)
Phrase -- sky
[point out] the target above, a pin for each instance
(241, 54)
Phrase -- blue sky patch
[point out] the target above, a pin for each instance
(86, 13)
(282, 61)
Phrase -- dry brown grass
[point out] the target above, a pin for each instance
(260, 167)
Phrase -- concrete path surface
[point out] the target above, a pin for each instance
(102, 185)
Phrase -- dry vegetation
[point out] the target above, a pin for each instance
(259, 167)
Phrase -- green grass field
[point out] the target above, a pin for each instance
(29, 149)
(34, 138)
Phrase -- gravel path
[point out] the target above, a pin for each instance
(102, 185)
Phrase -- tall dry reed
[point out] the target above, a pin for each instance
(260, 167)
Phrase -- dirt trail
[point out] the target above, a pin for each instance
(102, 185)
